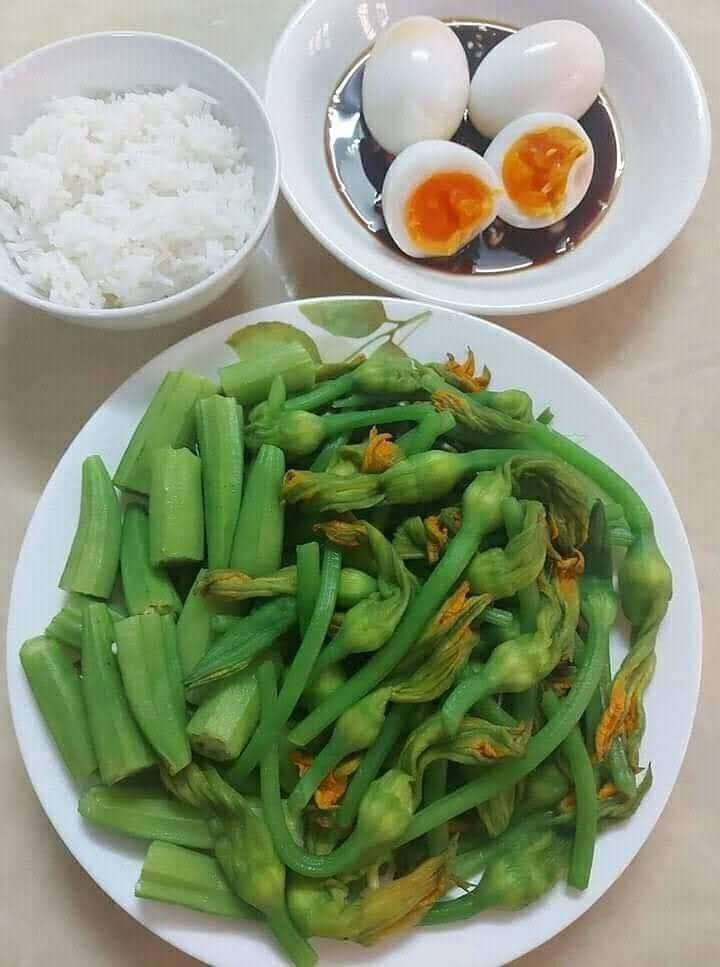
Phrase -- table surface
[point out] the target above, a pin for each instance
(650, 347)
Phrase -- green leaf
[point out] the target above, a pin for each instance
(262, 337)
(352, 318)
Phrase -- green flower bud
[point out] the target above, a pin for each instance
(555, 485)
(410, 539)
(524, 872)
(543, 789)
(497, 812)
(296, 432)
(326, 910)
(385, 813)
(515, 403)
(323, 683)
(645, 583)
(424, 477)
(484, 497)
(359, 726)
(354, 587)
(502, 572)
(328, 492)
(383, 376)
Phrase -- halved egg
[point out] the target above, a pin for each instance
(437, 196)
(545, 163)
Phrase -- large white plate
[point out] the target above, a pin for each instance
(114, 862)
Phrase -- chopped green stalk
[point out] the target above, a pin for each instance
(586, 804)
(146, 587)
(56, 686)
(177, 529)
(169, 421)
(92, 563)
(299, 672)
(146, 812)
(308, 582)
(226, 718)
(257, 545)
(150, 667)
(220, 439)
(242, 643)
(481, 515)
(249, 380)
(67, 624)
(173, 874)
(193, 627)
(119, 745)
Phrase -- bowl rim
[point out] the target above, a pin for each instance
(199, 288)
(651, 253)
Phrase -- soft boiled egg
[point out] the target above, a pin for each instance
(556, 65)
(437, 196)
(545, 163)
(415, 84)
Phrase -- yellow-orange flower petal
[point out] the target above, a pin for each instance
(341, 532)
(437, 538)
(380, 453)
(464, 373)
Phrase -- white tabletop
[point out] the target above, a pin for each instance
(652, 347)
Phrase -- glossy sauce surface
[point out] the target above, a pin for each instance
(359, 165)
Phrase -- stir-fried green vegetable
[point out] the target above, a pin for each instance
(395, 649)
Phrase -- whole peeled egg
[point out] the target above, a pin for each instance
(415, 84)
(545, 163)
(555, 65)
(437, 196)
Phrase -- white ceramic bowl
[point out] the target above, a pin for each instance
(653, 90)
(95, 65)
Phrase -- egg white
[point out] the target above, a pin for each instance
(414, 166)
(416, 84)
(579, 176)
(554, 65)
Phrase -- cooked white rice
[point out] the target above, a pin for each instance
(109, 203)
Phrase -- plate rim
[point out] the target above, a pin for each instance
(477, 308)
(169, 932)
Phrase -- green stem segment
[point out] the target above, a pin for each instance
(226, 718)
(119, 745)
(257, 547)
(586, 822)
(193, 627)
(481, 505)
(56, 686)
(146, 813)
(220, 438)
(434, 788)
(177, 528)
(92, 564)
(308, 582)
(299, 672)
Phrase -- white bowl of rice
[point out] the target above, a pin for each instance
(137, 175)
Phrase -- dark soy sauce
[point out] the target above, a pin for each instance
(359, 166)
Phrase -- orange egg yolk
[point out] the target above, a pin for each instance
(536, 169)
(443, 212)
